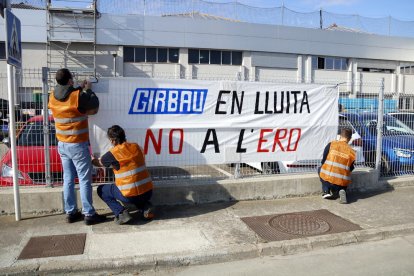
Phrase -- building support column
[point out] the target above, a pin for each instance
(299, 75)
(308, 69)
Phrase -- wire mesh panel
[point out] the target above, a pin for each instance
(358, 112)
(235, 11)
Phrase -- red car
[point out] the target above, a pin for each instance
(31, 158)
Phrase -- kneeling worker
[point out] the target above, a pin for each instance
(133, 182)
(337, 165)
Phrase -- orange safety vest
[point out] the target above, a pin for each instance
(337, 167)
(71, 125)
(132, 178)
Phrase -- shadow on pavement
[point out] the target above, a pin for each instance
(354, 196)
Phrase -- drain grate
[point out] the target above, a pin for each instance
(53, 246)
(300, 224)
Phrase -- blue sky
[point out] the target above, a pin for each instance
(400, 9)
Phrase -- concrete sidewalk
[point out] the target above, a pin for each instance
(201, 234)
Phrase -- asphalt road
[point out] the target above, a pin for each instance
(386, 257)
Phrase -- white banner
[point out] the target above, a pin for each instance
(191, 122)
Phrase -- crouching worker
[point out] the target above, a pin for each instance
(133, 182)
(337, 165)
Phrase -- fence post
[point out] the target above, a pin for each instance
(389, 25)
(237, 173)
(320, 19)
(11, 74)
(45, 73)
(379, 128)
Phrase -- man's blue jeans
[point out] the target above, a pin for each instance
(111, 194)
(76, 161)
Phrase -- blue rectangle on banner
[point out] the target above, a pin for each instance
(168, 101)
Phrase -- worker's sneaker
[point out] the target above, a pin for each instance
(74, 217)
(95, 218)
(326, 195)
(123, 217)
(342, 197)
(148, 212)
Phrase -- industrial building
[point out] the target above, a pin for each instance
(205, 46)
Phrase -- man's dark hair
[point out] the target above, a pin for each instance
(116, 133)
(63, 76)
(346, 133)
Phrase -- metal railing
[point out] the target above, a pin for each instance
(360, 113)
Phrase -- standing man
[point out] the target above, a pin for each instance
(70, 107)
(337, 165)
(133, 183)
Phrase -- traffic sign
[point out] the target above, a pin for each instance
(13, 39)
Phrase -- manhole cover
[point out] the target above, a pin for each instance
(289, 226)
(299, 224)
(53, 246)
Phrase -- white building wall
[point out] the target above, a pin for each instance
(132, 69)
(216, 72)
(329, 76)
(216, 34)
(408, 84)
(371, 82)
(269, 52)
(276, 74)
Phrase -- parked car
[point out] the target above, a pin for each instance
(4, 110)
(405, 117)
(397, 154)
(299, 166)
(4, 128)
(31, 158)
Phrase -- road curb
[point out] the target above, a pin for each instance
(213, 255)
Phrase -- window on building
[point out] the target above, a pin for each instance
(215, 57)
(193, 56)
(407, 70)
(226, 57)
(150, 54)
(139, 55)
(329, 63)
(129, 55)
(2, 50)
(204, 56)
(162, 54)
(314, 63)
(321, 63)
(200, 56)
(236, 58)
(173, 55)
(375, 70)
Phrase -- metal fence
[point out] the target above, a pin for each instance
(360, 113)
(235, 11)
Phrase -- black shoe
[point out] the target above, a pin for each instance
(95, 218)
(74, 217)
